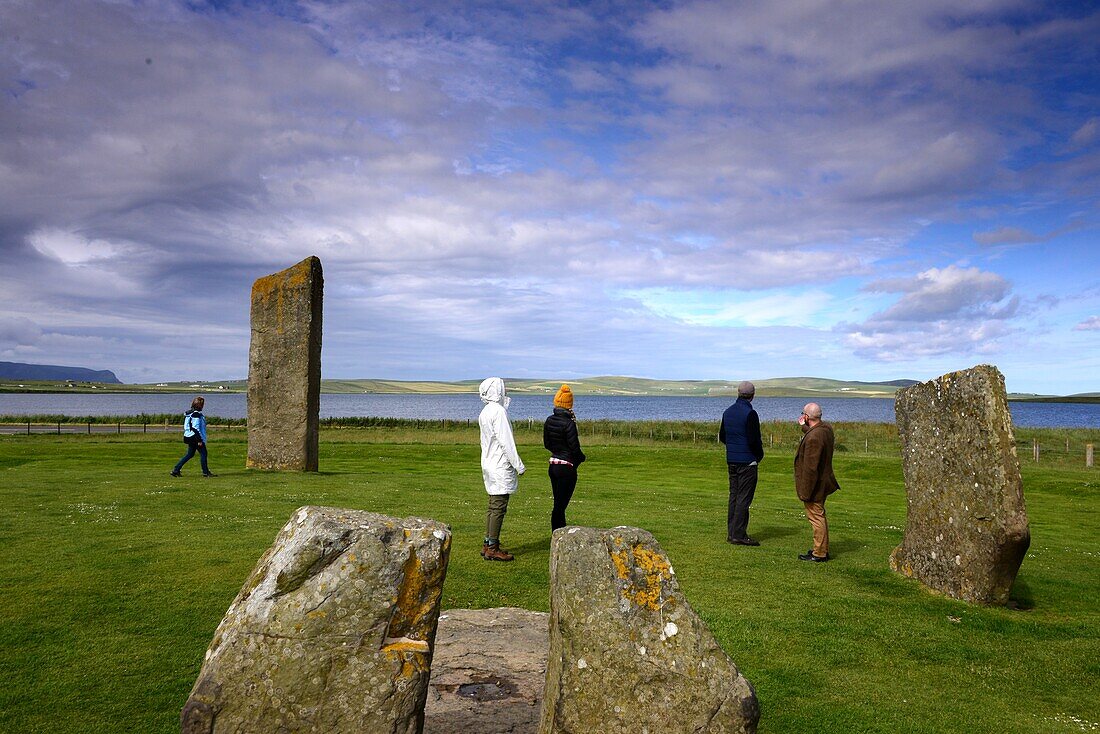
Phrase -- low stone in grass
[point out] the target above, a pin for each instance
(966, 529)
(628, 654)
(333, 631)
(488, 672)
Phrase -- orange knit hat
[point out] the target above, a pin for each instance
(564, 398)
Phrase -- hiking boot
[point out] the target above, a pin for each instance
(494, 553)
(176, 474)
(484, 549)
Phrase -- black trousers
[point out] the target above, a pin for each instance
(563, 480)
(742, 488)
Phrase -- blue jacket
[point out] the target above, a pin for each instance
(740, 432)
(194, 422)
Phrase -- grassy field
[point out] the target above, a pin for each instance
(113, 576)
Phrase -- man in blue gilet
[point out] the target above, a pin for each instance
(740, 432)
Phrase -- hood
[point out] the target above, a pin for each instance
(491, 390)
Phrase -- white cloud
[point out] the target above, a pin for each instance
(1092, 323)
(941, 310)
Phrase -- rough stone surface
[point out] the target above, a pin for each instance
(284, 368)
(628, 654)
(966, 529)
(488, 672)
(333, 631)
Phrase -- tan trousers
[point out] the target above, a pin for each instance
(815, 513)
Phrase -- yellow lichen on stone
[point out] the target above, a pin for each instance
(648, 590)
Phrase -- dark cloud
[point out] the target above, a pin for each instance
(464, 169)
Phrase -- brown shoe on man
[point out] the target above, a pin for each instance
(484, 549)
(494, 553)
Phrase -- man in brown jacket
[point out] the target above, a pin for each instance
(813, 477)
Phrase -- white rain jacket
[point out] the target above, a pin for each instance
(500, 462)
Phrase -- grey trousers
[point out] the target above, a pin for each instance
(742, 489)
(494, 518)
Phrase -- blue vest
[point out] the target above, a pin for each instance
(737, 440)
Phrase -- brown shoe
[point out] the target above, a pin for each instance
(494, 553)
(484, 549)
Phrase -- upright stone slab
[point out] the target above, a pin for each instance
(628, 654)
(333, 632)
(284, 368)
(966, 529)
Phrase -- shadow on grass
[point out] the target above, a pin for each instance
(771, 532)
(1021, 596)
(532, 547)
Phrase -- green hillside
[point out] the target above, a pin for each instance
(800, 387)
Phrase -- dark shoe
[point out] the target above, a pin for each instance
(176, 474)
(210, 474)
(494, 553)
(811, 557)
(744, 541)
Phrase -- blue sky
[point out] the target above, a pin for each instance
(699, 190)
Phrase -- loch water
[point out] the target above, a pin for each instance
(467, 406)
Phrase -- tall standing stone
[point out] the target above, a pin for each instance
(333, 632)
(284, 368)
(628, 654)
(966, 529)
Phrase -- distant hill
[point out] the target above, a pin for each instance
(23, 371)
(617, 385)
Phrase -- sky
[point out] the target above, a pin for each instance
(855, 190)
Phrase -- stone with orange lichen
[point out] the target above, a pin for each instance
(316, 644)
(627, 652)
(284, 368)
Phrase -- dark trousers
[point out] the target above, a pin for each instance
(191, 449)
(742, 488)
(563, 480)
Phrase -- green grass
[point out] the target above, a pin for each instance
(113, 576)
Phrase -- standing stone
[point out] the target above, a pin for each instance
(966, 530)
(284, 368)
(628, 654)
(333, 631)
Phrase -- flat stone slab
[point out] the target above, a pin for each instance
(488, 672)
(966, 528)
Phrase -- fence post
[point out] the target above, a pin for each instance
(59, 428)
(120, 427)
(28, 428)
(89, 428)
(1035, 448)
(1088, 454)
(144, 427)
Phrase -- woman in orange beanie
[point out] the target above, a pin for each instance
(559, 436)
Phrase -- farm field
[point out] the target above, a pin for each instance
(113, 575)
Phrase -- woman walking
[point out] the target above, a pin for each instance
(194, 435)
(559, 436)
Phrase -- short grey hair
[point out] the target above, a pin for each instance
(746, 389)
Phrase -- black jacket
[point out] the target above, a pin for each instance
(559, 436)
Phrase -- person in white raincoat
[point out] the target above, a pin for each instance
(500, 463)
